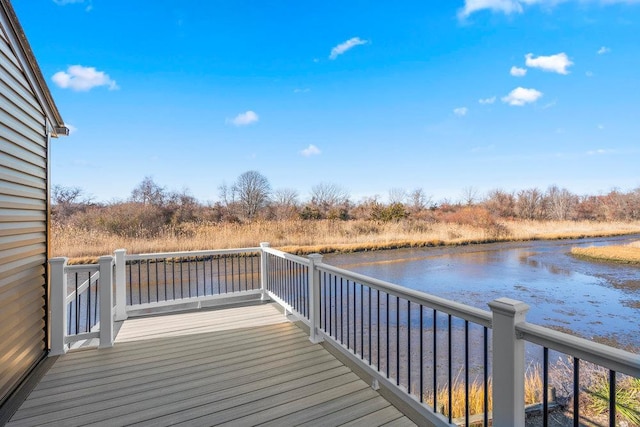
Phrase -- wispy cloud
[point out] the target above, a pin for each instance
(301, 90)
(66, 2)
(460, 111)
(509, 7)
(72, 128)
(521, 96)
(345, 46)
(603, 50)
(557, 63)
(487, 100)
(599, 151)
(600, 127)
(244, 119)
(518, 72)
(82, 79)
(311, 150)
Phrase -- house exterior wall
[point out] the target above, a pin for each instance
(23, 215)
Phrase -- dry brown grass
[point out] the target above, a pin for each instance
(628, 254)
(324, 236)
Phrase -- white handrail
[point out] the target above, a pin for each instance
(288, 256)
(608, 357)
(186, 254)
(456, 309)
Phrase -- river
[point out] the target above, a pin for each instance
(595, 300)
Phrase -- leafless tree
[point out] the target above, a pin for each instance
(559, 202)
(252, 191)
(148, 193)
(418, 200)
(469, 195)
(500, 203)
(285, 203)
(329, 195)
(529, 204)
(397, 195)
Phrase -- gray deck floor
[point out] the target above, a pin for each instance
(239, 366)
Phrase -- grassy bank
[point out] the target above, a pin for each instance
(323, 236)
(627, 254)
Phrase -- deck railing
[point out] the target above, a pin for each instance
(81, 303)
(425, 352)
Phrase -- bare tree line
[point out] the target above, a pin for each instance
(152, 207)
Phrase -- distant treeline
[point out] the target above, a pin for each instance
(152, 209)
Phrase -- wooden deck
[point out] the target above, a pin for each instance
(239, 366)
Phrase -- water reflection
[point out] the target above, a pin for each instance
(598, 300)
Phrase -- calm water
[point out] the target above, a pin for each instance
(589, 298)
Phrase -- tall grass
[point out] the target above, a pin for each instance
(300, 236)
(629, 254)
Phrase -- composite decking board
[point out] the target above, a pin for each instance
(141, 349)
(201, 349)
(400, 422)
(212, 319)
(187, 362)
(350, 413)
(300, 360)
(128, 406)
(377, 418)
(324, 409)
(296, 405)
(250, 366)
(249, 403)
(162, 384)
(189, 406)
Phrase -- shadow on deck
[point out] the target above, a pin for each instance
(238, 366)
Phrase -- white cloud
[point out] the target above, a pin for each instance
(72, 128)
(460, 111)
(244, 119)
(600, 127)
(80, 78)
(518, 72)
(521, 96)
(311, 150)
(603, 50)
(345, 46)
(557, 63)
(598, 152)
(487, 100)
(509, 7)
(589, 74)
(505, 6)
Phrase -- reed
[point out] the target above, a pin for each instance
(627, 254)
(303, 237)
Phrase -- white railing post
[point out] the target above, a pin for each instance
(106, 301)
(314, 298)
(121, 284)
(263, 271)
(58, 305)
(508, 363)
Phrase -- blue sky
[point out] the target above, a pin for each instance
(443, 95)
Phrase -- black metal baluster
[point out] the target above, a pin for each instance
(387, 336)
(77, 316)
(435, 361)
(545, 387)
(341, 312)
(348, 317)
(361, 321)
(378, 329)
(155, 263)
(181, 276)
(130, 285)
(148, 282)
(139, 283)
(397, 340)
(369, 326)
(422, 354)
(612, 398)
(335, 306)
(409, 346)
(485, 402)
(329, 304)
(164, 267)
(88, 326)
(450, 370)
(197, 280)
(466, 373)
(576, 392)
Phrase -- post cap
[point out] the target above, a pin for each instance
(508, 306)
